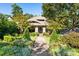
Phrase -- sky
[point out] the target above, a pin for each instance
(31, 8)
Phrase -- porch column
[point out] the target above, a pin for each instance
(36, 29)
(44, 29)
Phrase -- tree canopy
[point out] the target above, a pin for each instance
(16, 10)
(6, 26)
(63, 14)
(19, 17)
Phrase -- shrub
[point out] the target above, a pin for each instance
(7, 27)
(22, 42)
(4, 43)
(71, 39)
(19, 42)
(33, 34)
(54, 37)
(21, 51)
(46, 34)
(26, 34)
(15, 51)
(6, 51)
(8, 38)
(17, 48)
(60, 50)
(19, 36)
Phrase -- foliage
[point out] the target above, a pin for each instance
(54, 25)
(21, 22)
(19, 42)
(16, 48)
(3, 16)
(46, 34)
(7, 27)
(16, 10)
(71, 39)
(76, 52)
(28, 16)
(8, 38)
(61, 50)
(54, 37)
(21, 51)
(19, 17)
(6, 51)
(64, 14)
(14, 51)
(33, 34)
(26, 34)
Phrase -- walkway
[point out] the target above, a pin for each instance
(40, 47)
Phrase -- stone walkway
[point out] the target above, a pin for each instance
(40, 47)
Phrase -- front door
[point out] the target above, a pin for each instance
(40, 30)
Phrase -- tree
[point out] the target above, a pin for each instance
(6, 26)
(74, 13)
(4, 16)
(64, 14)
(19, 17)
(28, 16)
(17, 10)
(52, 12)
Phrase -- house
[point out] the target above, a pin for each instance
(38, 24)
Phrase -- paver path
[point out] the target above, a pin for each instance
(40, 47)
